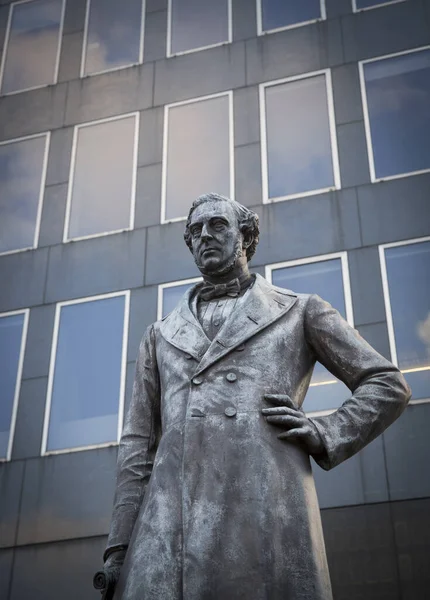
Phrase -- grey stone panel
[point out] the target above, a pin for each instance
(53, 215)
(407, 448)
(150, 137)
(371, 33)
(411, 523)
(244, 16)
(6, 562)
(248, 190)
(62, 570)
(395, 210)
(359, 480)
(348, 104)
(366, 285)
(246, 116)
(361, 552)
(129, 381)
(376, 335)
(11, 478)
(155, 35)
(110, 94)
(96, 266)
(31, 112)
(143, 312)
(199, 73)
(308, 227)
(154, 5)
(23, 277)
(74, 18)
(60, 151)
(38, 344)
(4, 15)
(71, 55)
(260, 270)
(168, 258)
(148, 196)
(337, 8)
(29, 423)
(67, 496)
(354, 164)
(294, 51)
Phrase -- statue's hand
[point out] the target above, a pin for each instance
(112, 569)
(300, 430)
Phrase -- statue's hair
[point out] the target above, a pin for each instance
(246, 218)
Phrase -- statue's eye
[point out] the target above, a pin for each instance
(195, 231)
(218, 225)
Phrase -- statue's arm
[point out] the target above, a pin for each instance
(379, 391)
(137, 447)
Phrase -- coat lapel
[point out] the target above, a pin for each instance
(261, 306)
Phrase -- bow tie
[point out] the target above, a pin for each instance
(209, 290)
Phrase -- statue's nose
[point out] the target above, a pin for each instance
(206, 234)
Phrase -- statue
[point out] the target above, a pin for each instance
(215, 497)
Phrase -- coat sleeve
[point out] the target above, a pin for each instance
(379, 391)
(138, 445)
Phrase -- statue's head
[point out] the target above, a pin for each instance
(220, 232)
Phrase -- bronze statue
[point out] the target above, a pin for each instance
(215, 497)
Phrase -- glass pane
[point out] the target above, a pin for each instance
(114, 31)
(282, 13)
(299, 151)
(21, 171)
(408, 269)
(11, 328)
(103, 178)
(325, 279)
(86, 389)
(398, 99)
(368, 3)
(172, 295)
(198, 23)
(198, 153)
(32, 48)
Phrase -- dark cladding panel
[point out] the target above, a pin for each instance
(11, 475)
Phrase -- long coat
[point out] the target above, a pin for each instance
(211, 504)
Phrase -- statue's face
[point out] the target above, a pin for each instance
(215, 236)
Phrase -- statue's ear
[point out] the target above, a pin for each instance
(247, 239)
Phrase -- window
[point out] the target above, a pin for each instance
(22, 180)
(405, 276)
(364, 4)
(86, 379)
(103, 178)
(198, 152)
(299, 150)
(113, 35)
(32, 45)
(328, 277)
(169, 295)
(396, 99)
(13, 332)
(274, 15)
(197, 24)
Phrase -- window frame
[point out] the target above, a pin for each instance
(23, 346)
(171, 284)
(349, 311)
(387, 303)
(261, 31)
(47, 136)
(379, 5)
(167, 107)
(52, 361)
(169, 53)
(6, 47)
(333, 137)
(82, 73)
(66, 238)
(367, 129)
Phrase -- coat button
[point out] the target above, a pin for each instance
(240, 348)
(230, 411)
(188, 356)
(197, 380)
(231, 377)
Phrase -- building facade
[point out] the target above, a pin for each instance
(114, 116)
